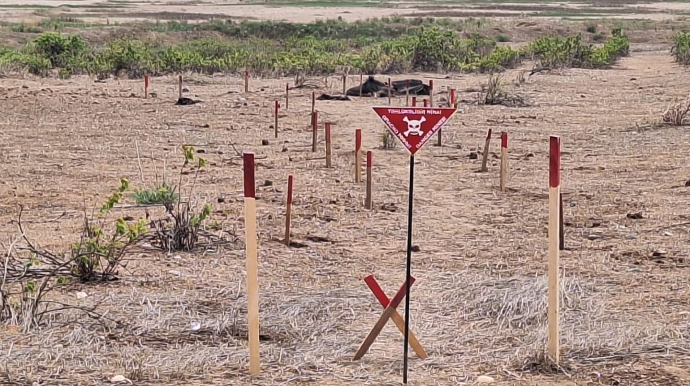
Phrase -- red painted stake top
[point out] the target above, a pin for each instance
(146, 81)
(426, 103)
(369, 159)
(289, 194)
(277, 107)
(504, 139)
(246, 74)
(249, 185)
(431, 84)
(358, 140)
(378, 292)
(452, 97)
(414, 101)
(328, 131)
(488, 134)
(555, 161)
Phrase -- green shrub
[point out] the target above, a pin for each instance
(162, 195)
(681, 48)
(571, 52)
(502, 39)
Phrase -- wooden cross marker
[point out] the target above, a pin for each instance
(397, 319)
(388, 312)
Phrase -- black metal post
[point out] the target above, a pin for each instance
(408, 276)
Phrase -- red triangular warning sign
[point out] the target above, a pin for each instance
(414, 126)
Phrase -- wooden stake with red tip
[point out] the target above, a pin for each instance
(252, 262)
(275, 113)
(368, 200)
(504, 160)
(485, 155)
(180, 86)
(314, 130)
(431, 93)
(426, 103)
(414, 101)
(407, 93)
(344, 84)
(553, 348)
(452, 98)
(288, 212)
(358, 155)
(146, 86)
(328, 144)
(246, 81)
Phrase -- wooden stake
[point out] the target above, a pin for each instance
(485, 155)
(358, 155)
(389, 91)
(426, 103)
(554, 194)
(407, 93)
(561, 224)
(287, 96)
(431, 93)
(252, 262)
(288, 212)
(146, 86)
(328, 144)
(314, 130)
(180, 86)
(361, 83)
(452, 98)
(344, 84)
(313, 106)
(504, 160)
(275, 124)
(414, 101)
(246, 81)
(368, 200)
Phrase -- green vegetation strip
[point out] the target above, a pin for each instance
(681, 48)
(254, 47)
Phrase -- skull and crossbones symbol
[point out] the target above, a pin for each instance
(414, 126)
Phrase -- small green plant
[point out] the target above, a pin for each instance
(681, 48)
(162, 195)
(179, 231)
(502, 39)
(388, 140)
(591, 29)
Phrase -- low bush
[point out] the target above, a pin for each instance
(560, 52)
(681, 48)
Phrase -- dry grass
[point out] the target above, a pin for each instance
(677, 113)
(479, 303)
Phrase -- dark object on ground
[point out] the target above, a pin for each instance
(373, 87)
(538, 70)
(329, 97)
(635, 216)
(185, 90)
(264, 142)
(687, 183)
(186, 101)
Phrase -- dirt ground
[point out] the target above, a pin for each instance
(479, 303)
(117, 11)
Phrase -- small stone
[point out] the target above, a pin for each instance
(195, 326)
(594, 237)
(630, 237)
(687, 183)
(220, 200)
(668, 234)
(264, 142)
(474, 155)
(635, 216)
(25, 86)
(176, 273)
(415, 248)
(177, 257)
(118, 379)
(485, 379)
(81, 295)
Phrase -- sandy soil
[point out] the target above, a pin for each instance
(97, 11)
(479, 302)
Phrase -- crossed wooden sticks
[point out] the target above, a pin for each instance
(389, 311)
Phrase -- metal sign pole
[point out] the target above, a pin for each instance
(408, 275)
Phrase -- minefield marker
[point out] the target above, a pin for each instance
(431, 93)
(246, 81)
(361, 83)
(485, 154)
(328, 144)
(288, 212)
(413, 131)
(314, 130)
(426, 103)
(389, 91)
(407, 92)
(275, 114)
(313, 105)
(504, 161)
(180, 81)
(287, 96)
(147, 82)
(397, 319)
(414, 101)
(358, 155)
(252, 262)
(344, 84)
(561, 224)
(368, 201)
(452, 98)
(554, 196)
